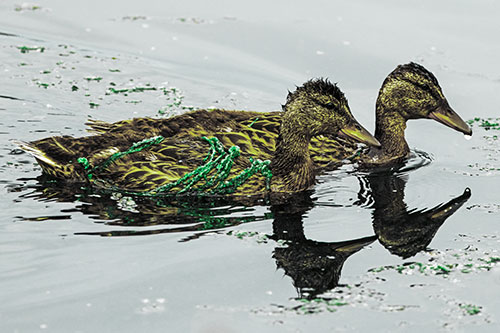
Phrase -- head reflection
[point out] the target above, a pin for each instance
(402, 231)
(314, 267)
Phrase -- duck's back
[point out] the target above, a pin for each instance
(182, 149)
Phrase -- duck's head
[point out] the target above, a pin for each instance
(319, 107)
(414, 93)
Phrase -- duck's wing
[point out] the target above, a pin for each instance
(212, 120)
(58, 156)
(268, 122)
(329, 153)
(183, 164)
(153, 167)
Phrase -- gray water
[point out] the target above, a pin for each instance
(72, 261)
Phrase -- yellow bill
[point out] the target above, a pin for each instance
(445, 115)
(358, 133)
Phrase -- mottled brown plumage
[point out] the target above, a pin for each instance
(409, 92)
(316, 108)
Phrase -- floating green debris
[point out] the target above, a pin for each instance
(192, 19)
(26, 49)
(25, 6)
(171, 109)
(431, 268)
(93, 105)
(114, 70)
(260, 238)
(493, 260)
(165, 111)
(45, 72)
(317, 305)
(131, 90)
(487, 123)
(133, 102)
(485, 168)
(471, 309)
(22, 64)
(214, 223)
(93, 78)
(443, 269)
(175, 99)
(171, 90)
(74, 88)
(134, 18)
(43, 85)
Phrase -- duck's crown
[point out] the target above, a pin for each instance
(315, 89)
(413, 70)
(417, 78)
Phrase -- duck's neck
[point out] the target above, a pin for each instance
(390, 132)
(292, 167)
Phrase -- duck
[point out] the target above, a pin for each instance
(409, 92)
(185, 155)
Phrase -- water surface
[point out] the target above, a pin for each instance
(412, 250)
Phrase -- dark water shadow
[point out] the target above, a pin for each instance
(6, 34)
(11, 98)
(314, 266)
(140, 215)
(401, 230)
(145, 215)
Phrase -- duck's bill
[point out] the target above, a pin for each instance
(352, 246)
(445, 115)
(358, 133)
(444, 211)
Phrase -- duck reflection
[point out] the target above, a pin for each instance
(165, 215)
(314, 267)
(402, 231)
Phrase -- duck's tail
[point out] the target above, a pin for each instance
(98, 126)
(33, 150)
(49, 165)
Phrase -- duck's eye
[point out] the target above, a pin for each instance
(329, 105)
